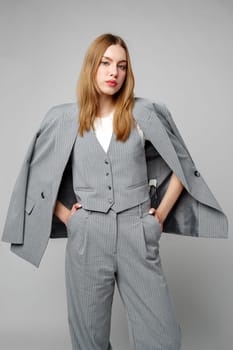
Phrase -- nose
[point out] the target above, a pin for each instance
(113, 70)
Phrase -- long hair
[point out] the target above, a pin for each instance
(88, 91)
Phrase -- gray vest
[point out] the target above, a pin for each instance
(114, 179)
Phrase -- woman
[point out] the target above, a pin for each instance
(96, 185)
(114, 241)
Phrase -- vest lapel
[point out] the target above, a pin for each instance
(150, 125)
(98, 144)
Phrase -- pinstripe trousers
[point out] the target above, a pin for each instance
(104, 248)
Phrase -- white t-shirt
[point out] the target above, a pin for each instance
(104, 129)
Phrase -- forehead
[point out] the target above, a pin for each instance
(115, 52)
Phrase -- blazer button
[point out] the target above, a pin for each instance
(196, 173)
(42, 195)
(106, 162)
(109, 187)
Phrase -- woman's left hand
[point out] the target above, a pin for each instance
(154, 212)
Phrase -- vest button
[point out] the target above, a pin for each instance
(109, 187)
(42, 195)
(107, 174)
(106, 162)
(196, 173)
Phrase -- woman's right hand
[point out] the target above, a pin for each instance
(76, 206)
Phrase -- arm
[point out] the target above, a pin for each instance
(173, 191)
(62, 212)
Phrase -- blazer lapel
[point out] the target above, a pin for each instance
(65, 136)
(155, 132)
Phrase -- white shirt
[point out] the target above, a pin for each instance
(104, 129)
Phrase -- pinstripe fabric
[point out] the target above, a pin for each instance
(113, 238)
(30, 221)
(207, 212)
(123, 248)
(116, 178)
(210, 228)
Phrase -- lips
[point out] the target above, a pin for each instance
(111, 82)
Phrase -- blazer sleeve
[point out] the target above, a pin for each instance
(13, 228)
(212, 221)
(14, 223)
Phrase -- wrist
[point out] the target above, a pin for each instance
(159, 216)
(66, 216)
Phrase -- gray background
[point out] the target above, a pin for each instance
(182, 55)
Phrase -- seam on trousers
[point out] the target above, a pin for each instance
(140, 210)
(130, 323)
(73, 342)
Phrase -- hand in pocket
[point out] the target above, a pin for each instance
(74, 208)
(153, 212)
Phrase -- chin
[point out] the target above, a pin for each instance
(109, 93)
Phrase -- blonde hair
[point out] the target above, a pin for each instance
(88, 91)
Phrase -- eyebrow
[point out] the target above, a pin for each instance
(111, 59)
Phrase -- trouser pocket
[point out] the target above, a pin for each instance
(151, 234)
(77, 229)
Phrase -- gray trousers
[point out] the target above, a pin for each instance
(124, 247)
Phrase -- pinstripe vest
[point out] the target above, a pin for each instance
(114, 179)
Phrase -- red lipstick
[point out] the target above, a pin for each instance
(111, 82)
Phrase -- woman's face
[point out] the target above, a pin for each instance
(112, 69)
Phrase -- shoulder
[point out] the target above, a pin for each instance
(148, 108)
(56, 112)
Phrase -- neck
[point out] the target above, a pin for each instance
(106, 105)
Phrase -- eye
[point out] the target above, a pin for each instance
(122, 66)
(105, 63)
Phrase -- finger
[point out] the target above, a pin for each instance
(73, 210)
(77, 205)
(152, 211)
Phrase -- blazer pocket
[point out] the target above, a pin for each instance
(30, 203)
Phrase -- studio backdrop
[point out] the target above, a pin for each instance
(182, 55)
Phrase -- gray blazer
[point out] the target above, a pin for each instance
(46, 175)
